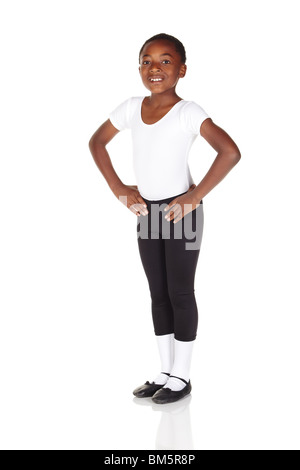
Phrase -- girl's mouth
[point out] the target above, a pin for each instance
(156, 79)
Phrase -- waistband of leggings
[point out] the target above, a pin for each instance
(166, 200)
(161, 201)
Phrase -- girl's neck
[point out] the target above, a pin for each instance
(160, 100)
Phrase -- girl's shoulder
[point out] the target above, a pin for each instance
(133, 100)
(191, 116)
(190, 105)
(133, 104)
(130, 104)
(121, 116)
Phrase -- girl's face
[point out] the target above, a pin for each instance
(160, 66)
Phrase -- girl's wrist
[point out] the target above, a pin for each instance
(117, 186)
(196, 196)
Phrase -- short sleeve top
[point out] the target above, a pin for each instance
(160, 150)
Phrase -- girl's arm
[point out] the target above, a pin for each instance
(228, 156)
(97, 145)
(128, 195)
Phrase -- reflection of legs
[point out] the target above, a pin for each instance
(175, 430)
(153, 259)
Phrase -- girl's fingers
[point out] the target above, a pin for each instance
(143, 210)
(177, 219)
(173, 212)
(171, 215)
(169, 206)
(133, 209)
(139, 208)
(141, 201)
(180, 214)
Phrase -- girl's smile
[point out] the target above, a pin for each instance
(156, 79)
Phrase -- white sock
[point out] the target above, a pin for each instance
(166, 352)
(182, 363)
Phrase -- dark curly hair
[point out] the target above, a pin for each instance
(178, 45)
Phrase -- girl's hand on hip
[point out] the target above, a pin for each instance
(182, 205)
(131, 198)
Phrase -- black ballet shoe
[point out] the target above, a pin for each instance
(166, 395)
(148, 389)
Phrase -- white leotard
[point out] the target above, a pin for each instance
(161, 150)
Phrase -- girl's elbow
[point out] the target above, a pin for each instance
(91, 142)
(237, 156)
(231, 155)
(234, 154)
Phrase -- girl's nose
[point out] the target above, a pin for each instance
(155, 67)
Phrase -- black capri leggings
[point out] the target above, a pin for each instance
(169, 254)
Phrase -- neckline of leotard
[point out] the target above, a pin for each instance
(163, 117)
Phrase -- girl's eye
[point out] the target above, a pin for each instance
(147, 62)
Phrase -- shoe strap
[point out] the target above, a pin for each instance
(166, 373)
(179, 379)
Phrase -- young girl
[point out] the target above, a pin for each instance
(164, 127)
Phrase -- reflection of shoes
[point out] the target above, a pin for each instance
(147, 390)
(173, 408)
(166, 395)
(144, 401)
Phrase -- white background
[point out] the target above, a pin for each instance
(76, 331)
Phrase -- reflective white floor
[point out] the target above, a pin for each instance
(76, 414)
(174, 430)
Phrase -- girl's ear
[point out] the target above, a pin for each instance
(182, 71)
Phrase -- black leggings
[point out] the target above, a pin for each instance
(169, 254)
